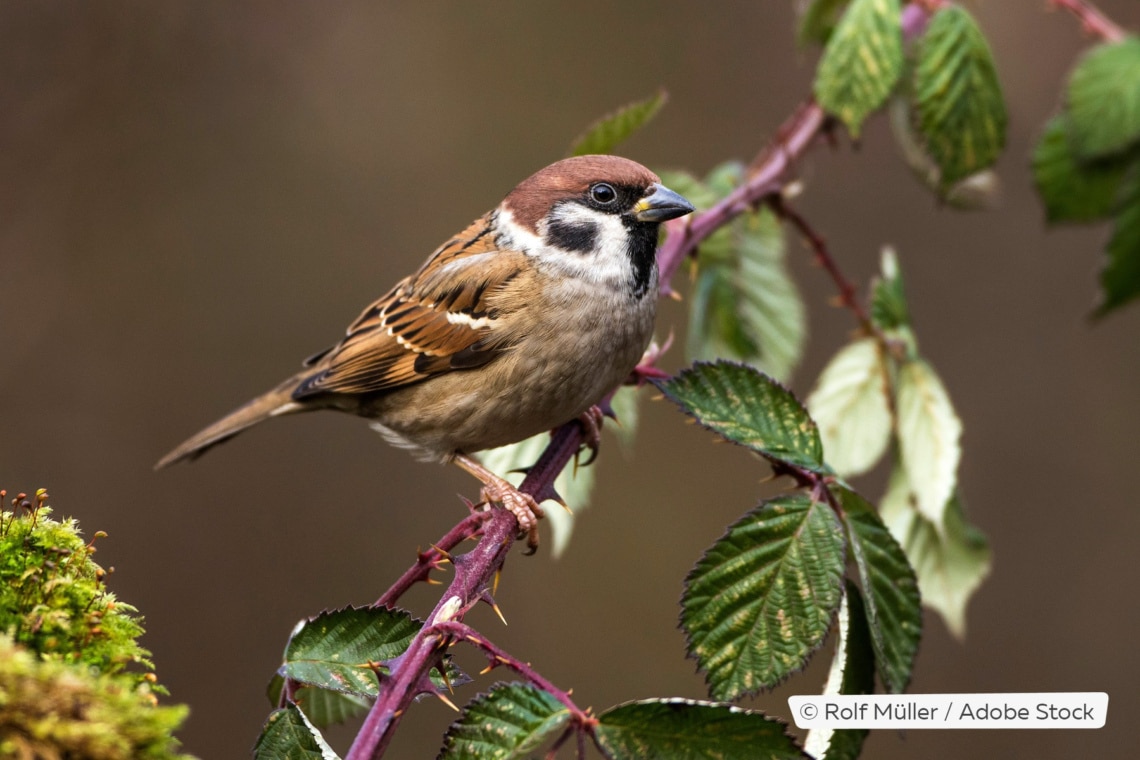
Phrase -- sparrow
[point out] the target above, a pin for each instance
(518, 324)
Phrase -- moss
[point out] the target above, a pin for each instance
(74, 682)
(53, 709)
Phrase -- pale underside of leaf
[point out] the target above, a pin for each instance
(850, 404)
(950, 565)
(929, 433)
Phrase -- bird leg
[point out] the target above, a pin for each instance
(522, 505)
(591, 422)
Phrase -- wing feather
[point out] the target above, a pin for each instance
(440, 319)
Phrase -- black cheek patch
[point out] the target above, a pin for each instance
(576, 236)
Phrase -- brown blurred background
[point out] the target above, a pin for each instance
(195, 196)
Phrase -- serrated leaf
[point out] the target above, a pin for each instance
(682, 729)
(852, 672)
(611, 130)
(890, 590)
(862, 62)
(958, 100)
(950, 564)
(1070, 190)
(851, 406)
(1120, 279)
(1103, 99)
(334, 650)
(288, 735)
(506, 723)
(747, 407)
(327, 708)
(573, 484)
(929, 432)
(889, 309)
(760, 600)
(978, 192)
(818, 20)
(745, 305)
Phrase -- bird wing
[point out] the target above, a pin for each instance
(441, 318)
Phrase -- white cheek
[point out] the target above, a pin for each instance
(514, 236)
(608, 263)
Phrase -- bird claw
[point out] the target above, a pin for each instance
(522, 505)
(591, 422)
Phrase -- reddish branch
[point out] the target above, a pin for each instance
(1093, 21)
(495, 530)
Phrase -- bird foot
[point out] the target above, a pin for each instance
(522, 505)
(591, 422)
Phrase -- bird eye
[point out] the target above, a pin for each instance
(603, 194)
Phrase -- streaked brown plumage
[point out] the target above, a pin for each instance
(521, 322)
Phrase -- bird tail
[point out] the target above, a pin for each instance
(272, 404)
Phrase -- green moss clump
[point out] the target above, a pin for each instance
(74, 681)
(51, 709)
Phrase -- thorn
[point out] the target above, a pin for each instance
(486, 670)
(495, 582)
(675, 296)
(443, 553)
(432, 581)
(443, 676)
(498, 612)
(447, 702)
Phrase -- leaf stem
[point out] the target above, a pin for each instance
(457, 631)
(433, 558)
(1092, 19)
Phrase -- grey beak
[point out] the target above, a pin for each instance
(661, 205)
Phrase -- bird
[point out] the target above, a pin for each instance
(518, 324)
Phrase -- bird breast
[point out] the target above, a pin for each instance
(579, 342)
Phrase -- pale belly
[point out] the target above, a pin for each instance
(564, 365)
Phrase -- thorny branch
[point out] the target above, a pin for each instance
(495, 530)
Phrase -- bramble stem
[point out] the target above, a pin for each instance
(1092, 19)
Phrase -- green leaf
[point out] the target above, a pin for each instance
(958, 100)
(1073, 191)
(890, 589)
(508, 722)
(322, 707)
(950, 564)
(760, 600)
(889, 309)
(852, 672)
(608, 132)
(745, 305)
(928, 433)
(334, 649)
(288, 735)
(862, 62)
(818, 20)
(980, 191)
(681, 729)
(747, 407)
(1103, 100)
(851, 406)
(1120, 279)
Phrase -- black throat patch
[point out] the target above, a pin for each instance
(642, 254)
